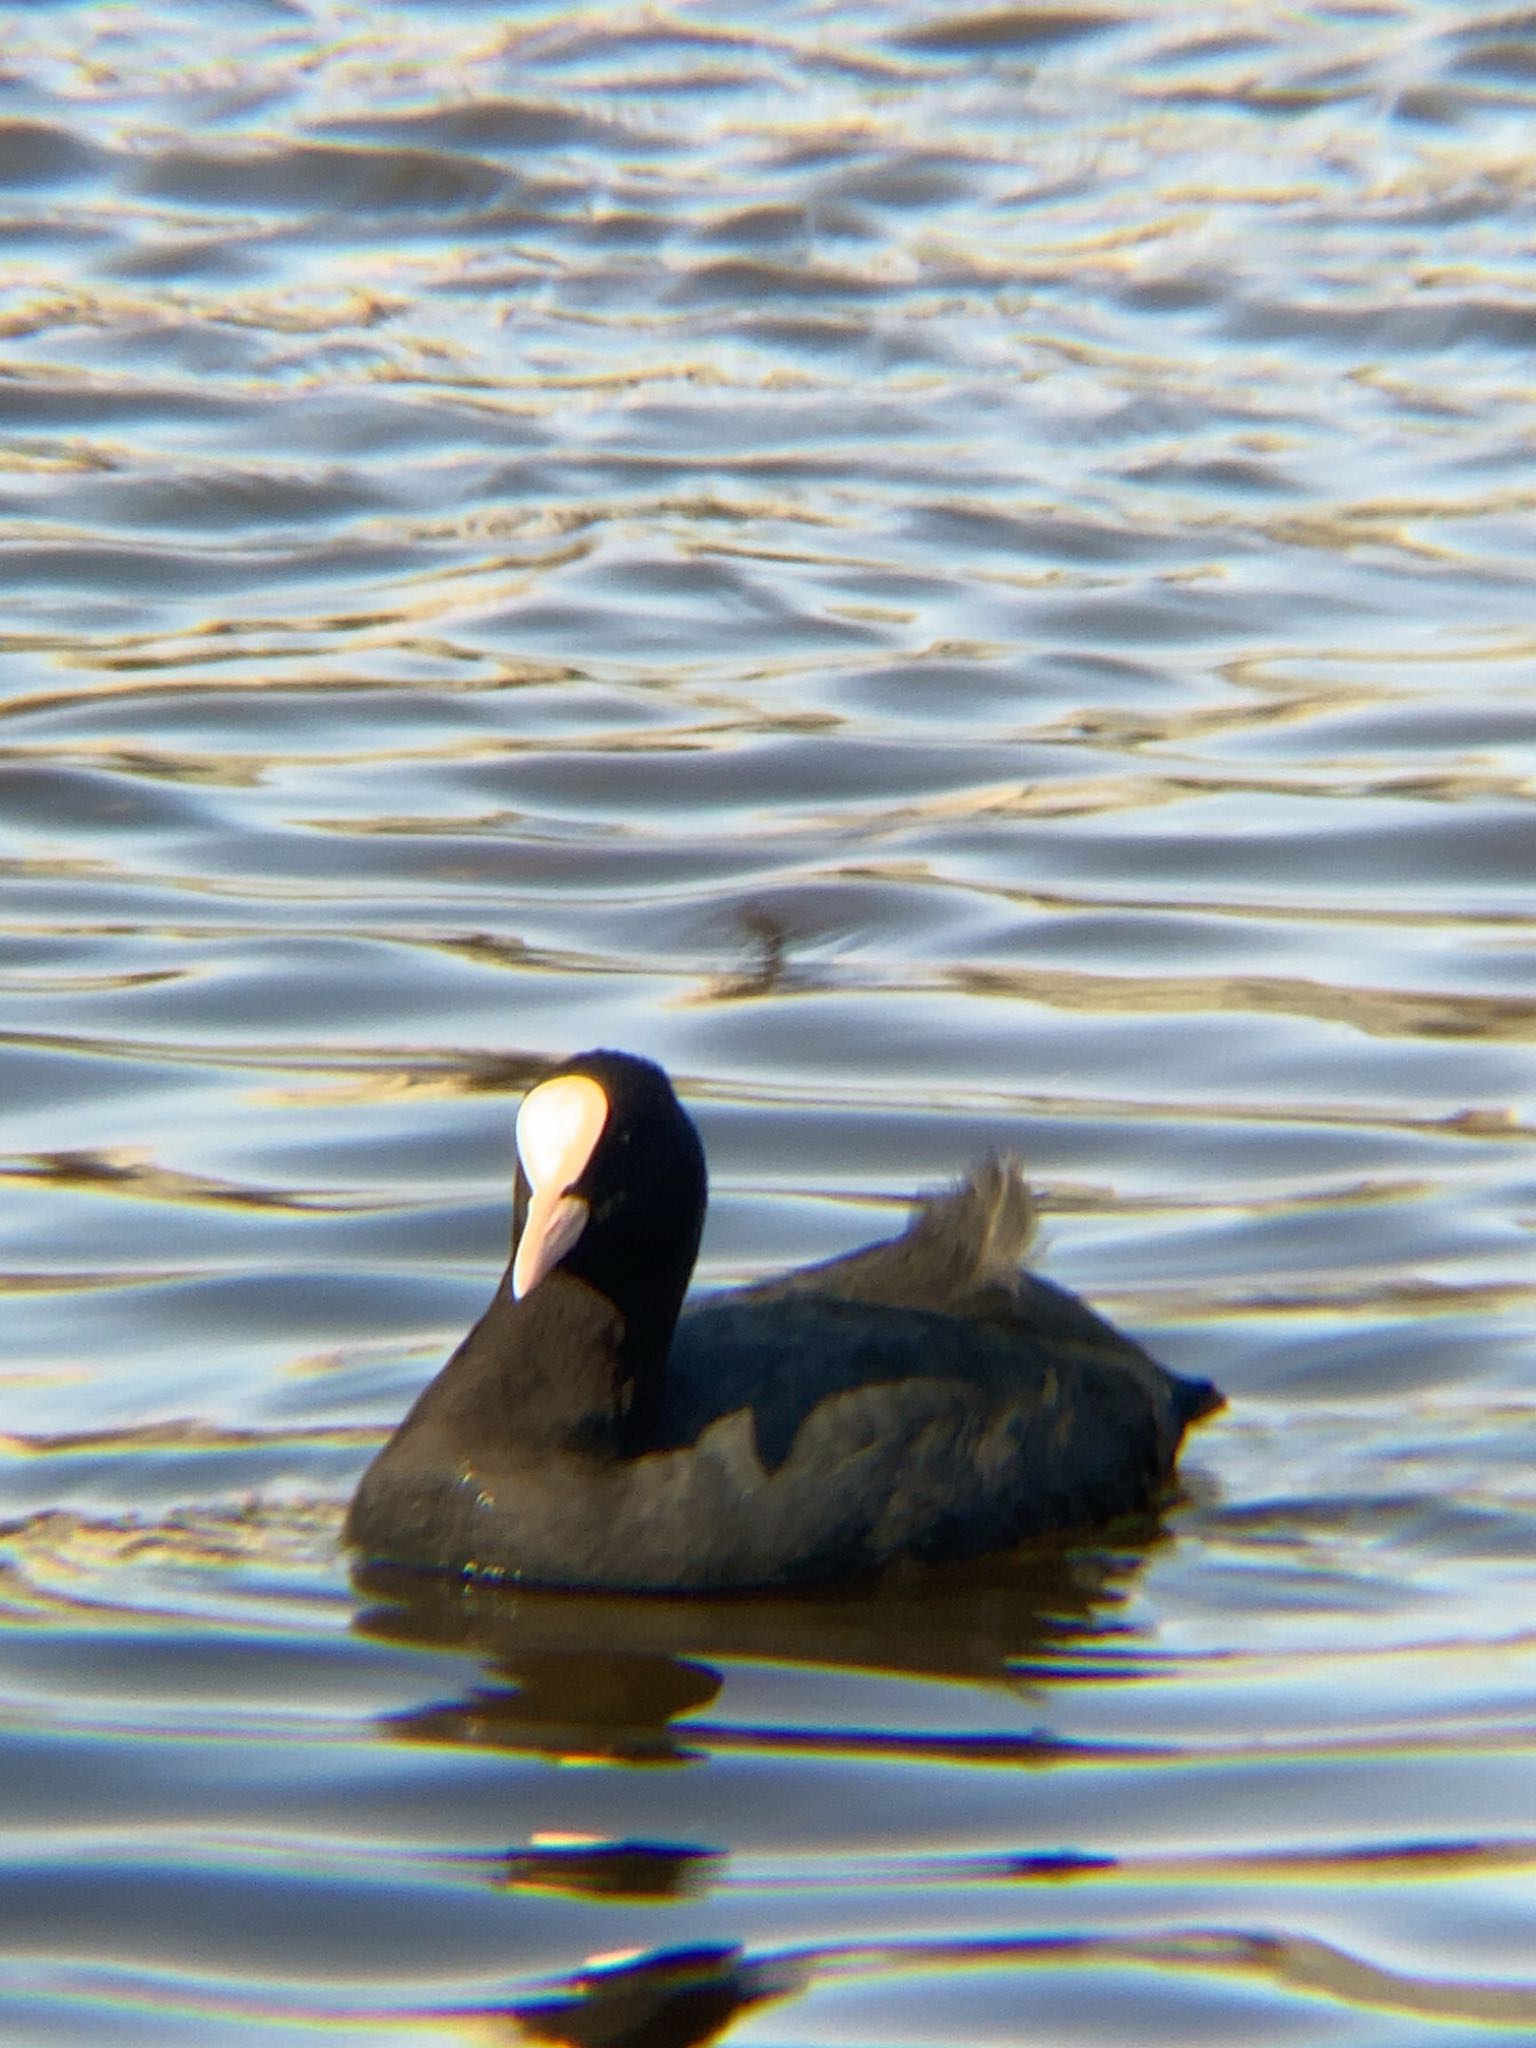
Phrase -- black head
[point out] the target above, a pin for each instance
(611, 1188)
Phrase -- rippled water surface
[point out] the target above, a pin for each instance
(963, 578)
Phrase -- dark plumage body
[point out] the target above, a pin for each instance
(924, 1397)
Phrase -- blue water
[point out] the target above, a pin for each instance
(963, 580)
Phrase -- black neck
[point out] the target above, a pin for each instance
(551, 1366)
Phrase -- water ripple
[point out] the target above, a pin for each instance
(961, 579)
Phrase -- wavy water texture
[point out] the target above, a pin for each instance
(959, 576)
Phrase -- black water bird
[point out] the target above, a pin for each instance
(924, 1397)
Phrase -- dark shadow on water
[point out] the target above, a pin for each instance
(627, 1679)
(674, 1998)
(583, 1675)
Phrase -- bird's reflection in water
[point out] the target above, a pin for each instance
(586, 1675)
(588, 1867)
(574, 1704)
(614, 1677)
(673, 1998)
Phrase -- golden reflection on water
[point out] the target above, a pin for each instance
(1378, 1012)
(129, 1171)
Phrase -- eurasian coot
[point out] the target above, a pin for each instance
(924, 1397)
